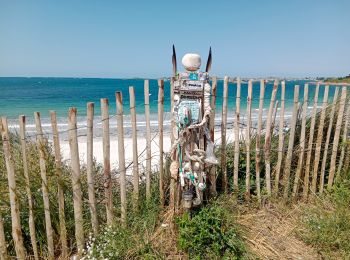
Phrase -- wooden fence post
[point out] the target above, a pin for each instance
(237, 122)
(41, 145)
(14, 203)
(336, 138)
(280, 139)
(90, 167)
(223, 135)
(22, 130)
(3, 245)
(267, 147)
(288, 160)
(121, 155)
(135, 167)
(249, 113)
(310, 145)
(212, 174)
(107, 160)
(148, 142)
(302, 143)
(343, 147)
(172, 138)
(319, 140)
(76, 182)
(258, 137)
(58, 168)
(161, 130)
(329, 131)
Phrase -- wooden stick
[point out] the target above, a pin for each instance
(121, 155)
(148, 141)
(329, 131)
(14, 202)
(267, 147)
(212, 174)
(41, 145)
(302, 143)
(336, 138)
(237, 122)
(76, 181)
(258, 137)
(275, 108)
(223, 136)
(319, 140)
(90, 167)
(289, 156)
(343, 147)
(3, 245)
(280, 139)
(161, 131)
(310, 144)
(58, 169)
(107, 160)
(135, 168)
(249, 113)
(172, 139)
(22, 127)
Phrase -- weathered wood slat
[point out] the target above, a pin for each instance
(121, 156)
(288, 160)
(319, 140)
(310, 145)
(31, 223)
(267, 146)
(172, 139)
(90, 167)
(223, 136)
(336, 138)
(107, 160)
(247, 136)
(161, 134)
(329, 131)
(212, 174)
(148, 141)
(76, 180)
(41, 145)
(14, 201)
(237, 122)
(258, 139)
(3, 244)
(135, 159)
(280, 139)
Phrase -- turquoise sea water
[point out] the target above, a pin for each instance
(26, 95)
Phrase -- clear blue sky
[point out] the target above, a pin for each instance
(133, 38)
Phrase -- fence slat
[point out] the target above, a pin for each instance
(107, 160)
(258, 139)
(343, 147)
(247, 137)
(223, 135)
(212, 174)
(329, 131)
(121, 155)
(41, 144)
(76, 182)
(172, 138)
(14, 202)
(237, 122)
(336, 138)
(161, 133)
(319, 140)
(288, 160)
(280, 139)
(267, 147)
(90, 167)
(22, 132)
(3, 245)
(310, 145)
(135, 166)
(302, 143)
(58, 169)
(148, 141)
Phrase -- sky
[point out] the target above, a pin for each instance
(126, 39)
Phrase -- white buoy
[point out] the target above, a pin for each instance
(191, 61)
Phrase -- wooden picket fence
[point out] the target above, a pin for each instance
(281, 179)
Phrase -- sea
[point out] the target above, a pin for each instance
(26, 95)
